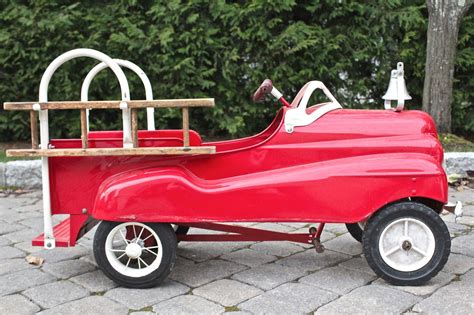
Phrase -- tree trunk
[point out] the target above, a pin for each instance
(443, 26)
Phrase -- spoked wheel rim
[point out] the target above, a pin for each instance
(136, 253)
(407, 244)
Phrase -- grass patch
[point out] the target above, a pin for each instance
(14, 145)
(9, 188)
(453, 143)
(232, 309)
(145, 309)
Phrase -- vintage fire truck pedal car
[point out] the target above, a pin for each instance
(377, 171)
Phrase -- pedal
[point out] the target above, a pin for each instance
(318, 246)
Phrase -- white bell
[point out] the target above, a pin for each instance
(397, 90)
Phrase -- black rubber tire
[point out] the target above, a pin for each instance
(168, 241)
(382, 219)
(355, 231)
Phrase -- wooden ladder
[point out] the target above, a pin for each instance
(35, 107)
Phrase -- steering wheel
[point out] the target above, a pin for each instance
(265, 88)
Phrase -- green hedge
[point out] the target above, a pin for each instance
(221, 50)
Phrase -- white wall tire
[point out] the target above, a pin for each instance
(406, 243)
(134, 254)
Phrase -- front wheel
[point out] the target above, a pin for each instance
(406, 243)
(134, 254)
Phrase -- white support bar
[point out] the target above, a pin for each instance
(49, 241)
(138, 71)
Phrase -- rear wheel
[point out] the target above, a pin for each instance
(406, 243)
(134, 254)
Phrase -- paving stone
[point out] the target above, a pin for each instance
(201, 273)
(455, 298)
(24, 235)
(12, 265)
(203, 251)
(62, 253)
(30, 207)
(188, 304)
(468, 210)
(22, 280)
(456, 229)
(17, 304)
(249, 257)
(227, 292)
(338, 279)
(68, 268)
(371, 299)
(6, 228)
(466, 196)
(344, 244)
(310, 260)
(463, 245)
(466, 220)
(12, 202)
(35, 223)
(15, 216)
(139, 298)
(89, 259)
(4, 241)
(336, 228)
(27, 247)
(86, 242)
(289, 298)
(95, 281)
(11, 252)
(269, 276)
(276, 227)
(458, 264)
(358, 264)
(280, 249)
(297, 225)
(432, 285)
(56, 293)
(90, 305)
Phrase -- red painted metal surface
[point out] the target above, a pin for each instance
(66, 232)
(242, 234)
(342, 168)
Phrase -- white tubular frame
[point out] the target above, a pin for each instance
(49, 241)
(138, 71)
(297, 116)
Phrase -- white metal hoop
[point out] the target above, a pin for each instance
(49, 241)
(138, 71)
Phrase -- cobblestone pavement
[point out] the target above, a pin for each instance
(241, 277)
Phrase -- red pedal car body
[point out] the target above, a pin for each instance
(378, 171)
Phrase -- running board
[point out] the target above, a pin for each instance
(67, 232)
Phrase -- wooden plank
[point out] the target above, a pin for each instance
(84, 128)
(34, 129)
(134, 127)
(180, 103)
(112, 151)
(186, 127)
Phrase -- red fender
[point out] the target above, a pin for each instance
(342, 190)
